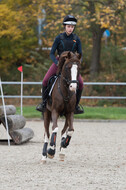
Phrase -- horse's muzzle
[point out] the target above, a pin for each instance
(73, 85)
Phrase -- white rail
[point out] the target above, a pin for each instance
(82, 97)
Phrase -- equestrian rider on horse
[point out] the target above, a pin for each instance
(67, 41)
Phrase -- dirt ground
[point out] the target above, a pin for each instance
(95, 159)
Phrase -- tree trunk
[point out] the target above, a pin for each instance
(95, 61)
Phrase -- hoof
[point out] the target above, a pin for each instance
(44, 158)
(50, 156)
(61, 157)
(62, 154)
(43, 161)
(51, 153)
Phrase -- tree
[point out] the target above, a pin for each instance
(102, 15)
(18, 29)
(17, 36)
(95, 16)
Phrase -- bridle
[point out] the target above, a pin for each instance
(66, 84)
(70, 94)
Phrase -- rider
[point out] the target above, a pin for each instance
(67, 41)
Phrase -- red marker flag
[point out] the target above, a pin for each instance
(20, 69)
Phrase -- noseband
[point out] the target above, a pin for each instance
(68, 82)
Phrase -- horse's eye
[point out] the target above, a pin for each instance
(68, 66)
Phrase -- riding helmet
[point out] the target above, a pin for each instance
(69, 20)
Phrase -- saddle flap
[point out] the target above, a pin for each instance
(51, 83)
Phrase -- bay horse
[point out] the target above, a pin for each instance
(63, 102)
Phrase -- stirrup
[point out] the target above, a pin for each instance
(79, 109)
(41, 107)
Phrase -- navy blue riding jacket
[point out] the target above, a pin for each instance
(63, 42)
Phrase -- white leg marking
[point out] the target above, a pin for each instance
(64, 135)
(44, 159)
(55, 130)
(46, 139)
(70, 133)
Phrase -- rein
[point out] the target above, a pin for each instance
(70, 94)
(70, 81)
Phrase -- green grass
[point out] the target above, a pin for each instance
(29, 112)
(112, 113)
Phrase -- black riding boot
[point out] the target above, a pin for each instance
(41, 107)
(78, 109)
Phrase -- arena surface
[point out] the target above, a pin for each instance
(95, 159)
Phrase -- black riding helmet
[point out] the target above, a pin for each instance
(69, 20)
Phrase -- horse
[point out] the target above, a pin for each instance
(63, 101)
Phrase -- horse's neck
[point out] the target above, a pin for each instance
(64, 86)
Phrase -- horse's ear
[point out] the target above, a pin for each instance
(79, 55)
(69, 55)
(60, 64)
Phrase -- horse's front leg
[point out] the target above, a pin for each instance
(52, 149)
(69, 123)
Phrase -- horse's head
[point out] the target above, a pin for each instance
(69, 64)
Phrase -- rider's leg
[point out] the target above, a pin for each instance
(41, 107)
(78, 109)
(52, 70)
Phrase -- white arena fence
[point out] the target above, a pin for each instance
(82, 97)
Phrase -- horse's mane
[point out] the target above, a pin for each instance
(66, 55)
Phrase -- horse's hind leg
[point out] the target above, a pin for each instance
(63, 132)
(65, 128)
(47, 118)
(52, 149)
(69, 123)
(63, 137)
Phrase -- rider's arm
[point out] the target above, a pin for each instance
(53, 50)
(79, 48)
